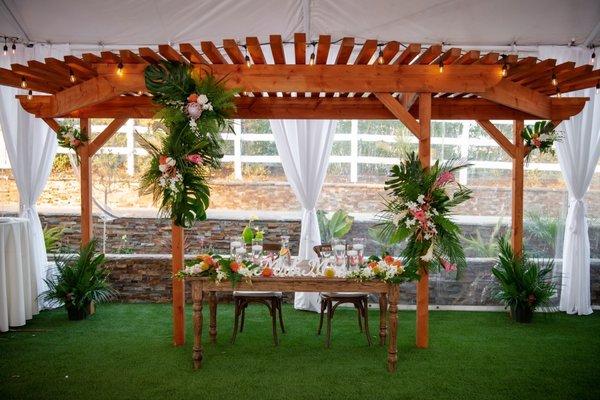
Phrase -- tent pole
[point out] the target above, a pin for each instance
(177, 248)
(517, 188)
(85, 170)
(423, 283)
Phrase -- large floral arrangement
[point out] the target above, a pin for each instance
(220, 269)
(70, 137)
(195, 111)
(387, 269)
(540, 136)
(417, 209)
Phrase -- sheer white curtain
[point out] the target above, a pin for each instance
(304, 147)
(31, 146)
(578, 154)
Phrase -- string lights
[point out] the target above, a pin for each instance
(120, 68)
(30, 95)
(247, 58)
(5, 47)
(504, 66)
(598, 87)
(593, 57)
(72, 76)
(312, 55)
(23, 82)
(14, 48)
(441, 65)
(380, 59)
(558, 94)
(554, 80)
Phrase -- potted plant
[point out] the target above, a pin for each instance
(78, 281)
(524, 285)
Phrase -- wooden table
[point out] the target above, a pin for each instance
(388, 294)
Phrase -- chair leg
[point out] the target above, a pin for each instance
(329, 318)
(358, 306)
(323, 304)
(273, 312)
(366, 317)
(243, 316)
(235, 319)
(279, 306)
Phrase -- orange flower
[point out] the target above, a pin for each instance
(234, 266)
(388, 259)
(267, 272)
(192, 98)
(208, 259)
(373, 264)
(397, 263)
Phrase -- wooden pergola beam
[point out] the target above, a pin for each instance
(394, 106)
(105, 135)
(498, 136)
(519, 97)
(311, 108)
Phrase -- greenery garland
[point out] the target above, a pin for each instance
(417, 209)
(195, 111)
(540, 136)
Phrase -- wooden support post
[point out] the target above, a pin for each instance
(423, 284)
(85, 171)
(177, 248)
(517, 188)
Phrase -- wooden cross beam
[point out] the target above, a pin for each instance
(498, 136)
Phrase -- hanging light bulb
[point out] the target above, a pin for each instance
(558, 93)
(14, 48)
(120, 68)
(72, 76)
(380, 59)
(23, 82)
(504, 66)
(30, 95)
(441, 65)
(598, 87)
(554, 80)
(311, 61)
(5, 48)
(248, 62)
(593, 57)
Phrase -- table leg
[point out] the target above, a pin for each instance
(197, 316)
(393, 317)
(212, 301)
(382, 318)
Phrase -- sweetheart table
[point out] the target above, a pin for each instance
(388, 294)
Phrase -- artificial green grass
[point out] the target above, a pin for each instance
(125, 352)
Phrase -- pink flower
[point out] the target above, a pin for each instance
(444, 178)
(419, 215)
(194, 159)
(448, 266)
(537, 142)
(194, 110)
(75, 142)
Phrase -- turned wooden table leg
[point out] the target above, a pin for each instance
(382, 318)
(393, 317)
(212, 301)
(197, 316)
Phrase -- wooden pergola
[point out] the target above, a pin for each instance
(411, 83)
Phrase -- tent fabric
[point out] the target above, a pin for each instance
(457, 22)
(578, 154)
(31, 146)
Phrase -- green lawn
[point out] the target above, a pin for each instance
(125, 352)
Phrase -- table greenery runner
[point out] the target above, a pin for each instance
(195, 111)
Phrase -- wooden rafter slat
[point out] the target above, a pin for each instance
(468, 58)
(34, 76)
(584, 82)
(170, 53)
(58, 66)
(546, 76)
(49, 73)
(233, 51)
(524, 64)
(10, 78)
(80, 65)
(450, 56)
(345, 50)
(488, 59)
(129, 57)
(110, 57)
(150, 55)
(323, 49)
(535, 69)
(190, 52)
(300, 48)
(498, 136)
(389, 51)
(276, 44)
(255, 50)
(364, 56)
(519, 97)
(564, 76)
(213, 54)
(429, 55)
(92, 58)
(409, 54)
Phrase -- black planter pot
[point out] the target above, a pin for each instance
(76, 314)
(522, 314)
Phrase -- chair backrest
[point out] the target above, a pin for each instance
(319, 248)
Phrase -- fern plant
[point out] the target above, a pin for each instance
(52, 238)
(417, 209)
(195, 111)
(485, 247)
(524, 285)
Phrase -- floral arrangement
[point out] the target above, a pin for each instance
(70, 137)
(417, 209)
(222, 269)
(195, 111)
(387, 269)
(540, 136)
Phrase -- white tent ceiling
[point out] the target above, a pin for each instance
(457, 22)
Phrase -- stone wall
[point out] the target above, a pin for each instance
(147, 278)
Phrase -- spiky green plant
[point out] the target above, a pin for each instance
(78, 280)
(485, 247)
(171, 84)
(337, 226)
(52, 238)
(417, 209)
(543, 227)
(522, 282)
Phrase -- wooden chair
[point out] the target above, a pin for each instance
(331, 301)
(273, 301)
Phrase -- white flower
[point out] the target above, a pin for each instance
(421, 199)
(427, 236)
(429, 255)
(170, 162)
(202, 99)
(207, 106)
(544, 137)
(163, 168)
(410, 222)
(162, 181)
(221, 275)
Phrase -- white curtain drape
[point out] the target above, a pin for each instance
(578, 154)
(304, 147)
(31, 146)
